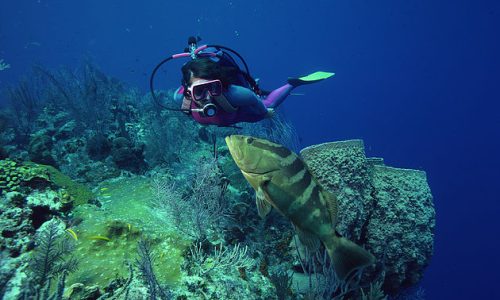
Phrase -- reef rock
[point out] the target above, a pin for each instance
(127, 156)
(387, 209)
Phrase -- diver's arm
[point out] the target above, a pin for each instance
(239, 96)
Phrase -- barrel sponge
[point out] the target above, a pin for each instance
(388, 210)
(342, 168)
(401, 225)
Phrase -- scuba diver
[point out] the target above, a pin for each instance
(216, 91)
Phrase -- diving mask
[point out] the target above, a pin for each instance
(200, 89)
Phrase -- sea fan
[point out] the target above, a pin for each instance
(50, 259)
(145, 264)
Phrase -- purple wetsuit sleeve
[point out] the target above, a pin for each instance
(179, 94)
(276, 97)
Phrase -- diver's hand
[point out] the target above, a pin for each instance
(270, 112)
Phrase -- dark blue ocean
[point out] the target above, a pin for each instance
(418, 81)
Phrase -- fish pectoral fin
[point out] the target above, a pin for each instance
(263, 207)
(331, 203)
(309, 240)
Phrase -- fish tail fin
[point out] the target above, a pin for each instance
(347, 257)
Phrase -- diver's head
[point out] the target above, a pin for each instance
(204, 82)
(206, 68)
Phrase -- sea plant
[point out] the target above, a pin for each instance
(25, 104)
(282, 281)
(50, 260)
(145, 264)
(222, 259)
(200, 209)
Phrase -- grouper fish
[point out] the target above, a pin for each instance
(283, 181)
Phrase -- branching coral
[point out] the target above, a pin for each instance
(222, 258)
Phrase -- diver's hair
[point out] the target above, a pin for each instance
(208, 69)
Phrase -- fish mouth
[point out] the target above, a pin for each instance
(233, 150)
(258, 173)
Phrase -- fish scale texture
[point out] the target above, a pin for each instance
(341, 167)
(387, 209)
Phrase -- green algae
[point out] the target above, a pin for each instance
(126, 216)
(78, 192)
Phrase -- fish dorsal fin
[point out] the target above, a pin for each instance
(263, 207)
(309, 240)
(331, 203)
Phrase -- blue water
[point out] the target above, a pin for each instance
(419, 81)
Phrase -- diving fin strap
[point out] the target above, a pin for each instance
(311, 78)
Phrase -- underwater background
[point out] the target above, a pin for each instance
(418, 81)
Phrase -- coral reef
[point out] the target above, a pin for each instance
(16, 225)
(3, 153)
(31, 195)
(126, 155)
(40, 149)
(158, 178)
(98, 147)
(15, 176)
(28, 177)
(50, 262)
(389, 210)
(78, 193)
(52, 125)
(50, 258)
(145, 264)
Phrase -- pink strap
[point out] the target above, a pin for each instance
(201, 48)
(180, 55)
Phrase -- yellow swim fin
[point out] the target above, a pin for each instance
(311, 78)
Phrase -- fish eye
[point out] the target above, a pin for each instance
(250, 140)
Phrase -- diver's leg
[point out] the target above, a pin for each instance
(277, 96)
